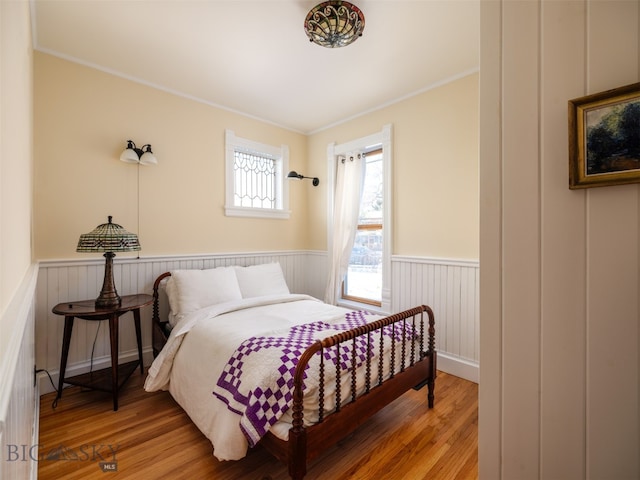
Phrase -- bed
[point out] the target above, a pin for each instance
(252, 364)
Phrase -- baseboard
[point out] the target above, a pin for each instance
(44, 384)
(459, 367)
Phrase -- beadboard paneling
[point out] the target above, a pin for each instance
(18, 397)
(449, 287)
(63, 281)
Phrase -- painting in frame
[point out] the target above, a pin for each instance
(604, 138)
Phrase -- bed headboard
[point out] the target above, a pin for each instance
(160, 322)
(160, 301)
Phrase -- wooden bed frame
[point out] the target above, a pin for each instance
(307, 442)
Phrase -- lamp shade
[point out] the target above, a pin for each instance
(148, 158)
(108, 237)
(129, 155)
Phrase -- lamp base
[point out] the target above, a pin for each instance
(108, 302)
(109, 297)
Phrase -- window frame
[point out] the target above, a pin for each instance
(367, 226)
(368, 143)
(280, 155)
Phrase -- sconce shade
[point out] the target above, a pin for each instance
(294, 174)
(142, 156)
(334, 24)
(129, 156)
(148, 158)
(108, 237)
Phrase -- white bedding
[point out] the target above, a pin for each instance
(202, 342)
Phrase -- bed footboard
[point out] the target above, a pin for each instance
(412, 364)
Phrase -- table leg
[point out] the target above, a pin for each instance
(136, 320)
(113, 336)
(66, 340)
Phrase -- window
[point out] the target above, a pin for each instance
(367, 283)
(255, 185)
(363, 282)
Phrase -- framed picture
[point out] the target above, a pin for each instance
(604, 138)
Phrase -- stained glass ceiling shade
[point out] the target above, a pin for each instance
(334, 24)
(108, 237)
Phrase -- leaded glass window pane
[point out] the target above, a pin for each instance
(255, 180)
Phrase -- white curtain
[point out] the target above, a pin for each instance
(349, 180)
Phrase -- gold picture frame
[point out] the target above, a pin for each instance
(604, 138)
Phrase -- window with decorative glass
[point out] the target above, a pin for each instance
(363, 282)
(255, 185)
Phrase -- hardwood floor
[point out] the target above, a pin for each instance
(151, 437)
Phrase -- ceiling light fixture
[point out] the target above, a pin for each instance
(133, 154)
(334, 24)
(294, 174)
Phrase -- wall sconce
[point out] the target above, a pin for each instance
(294, 174)
(133, 154)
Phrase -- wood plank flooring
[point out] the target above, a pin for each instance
(151, 437)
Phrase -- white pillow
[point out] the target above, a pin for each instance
(197, 289)
(259, 280)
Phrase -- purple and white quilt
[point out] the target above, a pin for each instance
(257, 381)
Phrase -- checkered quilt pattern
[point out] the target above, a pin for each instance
(260, 398)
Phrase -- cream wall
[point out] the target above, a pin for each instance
(435, 170)
(559, 282)
(15, 147)
(83, 118)
(18, 274)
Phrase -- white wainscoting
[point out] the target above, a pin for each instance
(449, 287)
(63, 281)
(19, 399)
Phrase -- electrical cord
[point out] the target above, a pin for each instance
(54, 404)
(93, 348)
